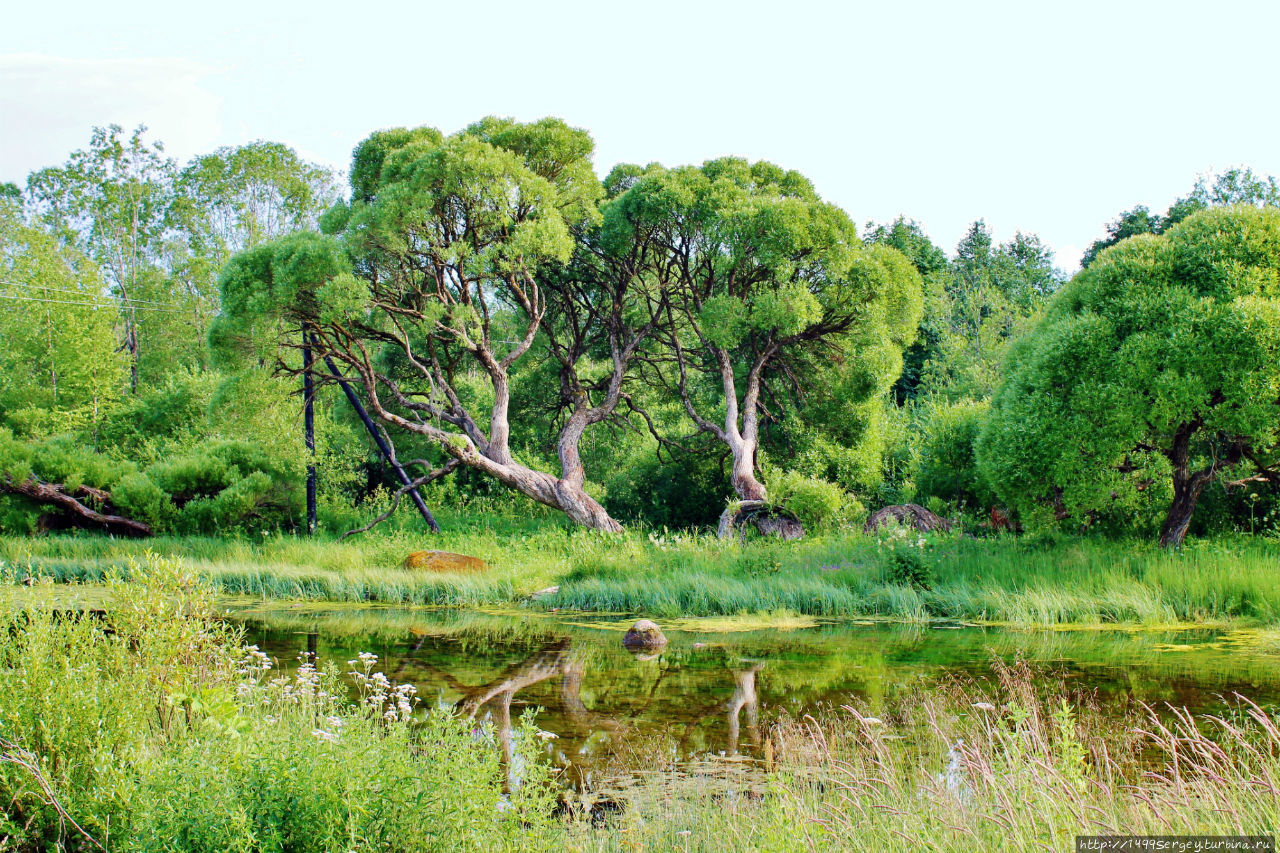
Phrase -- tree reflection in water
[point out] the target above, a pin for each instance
(493, 700)
(744, 697)
(619, 716)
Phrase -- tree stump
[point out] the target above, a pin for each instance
(769, 522)
(909, 515)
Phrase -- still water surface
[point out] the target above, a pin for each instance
(709, 695)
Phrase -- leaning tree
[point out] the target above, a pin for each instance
(1155, 373)
(765, 286)
(450, 266)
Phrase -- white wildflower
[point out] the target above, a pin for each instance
(256, 659)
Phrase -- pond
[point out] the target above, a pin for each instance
(706, 698)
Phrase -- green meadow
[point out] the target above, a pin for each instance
(1018, 581)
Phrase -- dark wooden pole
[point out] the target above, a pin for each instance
(401, 474)
(309, 416)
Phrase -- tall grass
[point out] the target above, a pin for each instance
(1019, 582)
(153, 729)
(1076, 582)
(1012, 766)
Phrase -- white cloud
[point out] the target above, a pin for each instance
(48, 104)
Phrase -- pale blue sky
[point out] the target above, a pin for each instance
(1042, 117)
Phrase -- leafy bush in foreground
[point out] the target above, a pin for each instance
(152, 729)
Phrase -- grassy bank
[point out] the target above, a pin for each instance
(1020, 582)
(164, 734)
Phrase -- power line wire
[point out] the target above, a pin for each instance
(82, 293)
(85, 295)
(113, 306)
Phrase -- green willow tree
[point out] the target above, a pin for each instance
(1155, 372)
(766, 286)
(448, 265)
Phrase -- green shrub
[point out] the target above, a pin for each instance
(53, 460)
(817, 504)
(906, 563)
(152, 729)
(137, 496)
(175, 413)
(306, 770)
(228, 485)
(217, 486)
(687, 493)
(948, 467)
(88, 702)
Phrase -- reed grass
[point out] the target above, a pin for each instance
(1020, 582)
(1015, 765)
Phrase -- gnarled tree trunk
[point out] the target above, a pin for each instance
(1186, 493)
(490, 451)
(743, 474)
(571, 495)
(741, 433)
(1188, 485)
(563, 493)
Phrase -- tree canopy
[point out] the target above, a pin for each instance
(1155, 373)
(632, 349)
(767, 287)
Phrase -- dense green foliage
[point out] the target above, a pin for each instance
(634, 348)
(1155, 373)
(155, 730)
(60, 365)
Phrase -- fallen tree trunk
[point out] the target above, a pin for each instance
(55, 495)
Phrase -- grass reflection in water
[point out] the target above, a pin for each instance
(706, 706)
